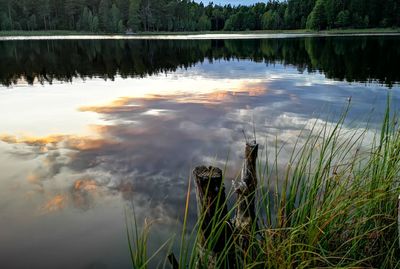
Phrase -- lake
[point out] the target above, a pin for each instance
(90, 129)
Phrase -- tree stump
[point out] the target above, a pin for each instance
(212, 214)
(245, 188)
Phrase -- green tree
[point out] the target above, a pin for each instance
(146, 14)
(297, 13)
(43, 7)
(343, 19)
(120, 27)
(332, 8)
(218, 18)
(73, 11)
(188, 15)
(134, 16)
(85, 21)
(5, 22)
(229, 23)
(271, 20)
(123, 6)
(94, 25)
(204, 23)
(104, 15)
(116, 22)
(249, 20)
(32, 25)
(317, 18)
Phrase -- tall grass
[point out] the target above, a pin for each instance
(333, 203)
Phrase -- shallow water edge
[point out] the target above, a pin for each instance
(192, 36)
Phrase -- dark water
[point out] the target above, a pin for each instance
(353, 59)
(90, 127)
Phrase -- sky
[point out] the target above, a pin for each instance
(232, 2)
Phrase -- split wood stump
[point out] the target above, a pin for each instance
(215, 227)
(245, 187)
(217, 233)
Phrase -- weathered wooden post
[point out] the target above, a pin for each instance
(212, 213)
(245, 187)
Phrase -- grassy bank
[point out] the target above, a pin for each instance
(332, 204)
(300, 31)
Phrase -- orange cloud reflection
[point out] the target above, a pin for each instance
(31, 140)
(33, 178)
(139, 104)
(55, 204)
(85, 184)
(86, 143)
(121, 103)
(53, 141)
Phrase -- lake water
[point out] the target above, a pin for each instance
(89, 128)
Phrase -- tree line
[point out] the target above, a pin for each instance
(118, 16)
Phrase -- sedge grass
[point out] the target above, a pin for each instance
(334, 205)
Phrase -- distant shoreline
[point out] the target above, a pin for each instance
(38, 35)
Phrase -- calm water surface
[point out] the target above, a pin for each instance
(89, 128)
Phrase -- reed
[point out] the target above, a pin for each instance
(334, 204)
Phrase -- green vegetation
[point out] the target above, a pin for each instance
(117, 16)
(333, 203)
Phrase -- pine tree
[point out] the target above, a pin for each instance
(204, 23)
(104, 15)
(134, 16)
(116, 21)
(317, 18)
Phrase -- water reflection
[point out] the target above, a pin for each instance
(78, 151)
(361, 59)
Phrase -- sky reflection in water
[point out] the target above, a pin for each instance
(73, 155)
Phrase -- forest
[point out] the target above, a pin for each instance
(121, 16)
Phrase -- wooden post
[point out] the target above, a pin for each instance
(212, 213)
(245, 187)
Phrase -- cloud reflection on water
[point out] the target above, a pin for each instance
(137, 148)
(153, 141)
(146, 145)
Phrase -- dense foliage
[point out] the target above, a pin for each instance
(187, 15)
